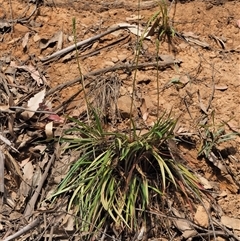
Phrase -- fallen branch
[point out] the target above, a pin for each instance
(82, 43)
(111, 69)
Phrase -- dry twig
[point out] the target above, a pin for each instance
(2, 158)
(30, 206)
(25, 229)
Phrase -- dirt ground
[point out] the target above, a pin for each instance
(201, 89)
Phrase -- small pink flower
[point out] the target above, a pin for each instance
(56, 118)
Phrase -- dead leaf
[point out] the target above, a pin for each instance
(192, 38)
(142, 232)
(11, 118)
(181, 224)
(37, 176)
(182, 131)
(221, 87)
(28, 172)
(2, 158)
(33, 104)
(49, 130)
(204, 182)
(68, 221)
(40, 79)
(134, 17)
(60, 41)
(4, 107)
(15, 215)
(153, 28)
(62, 167)
(190, 34)
(135, 29)
(216, 162)
(202, 106)
(23, 139)
(14, 40)
(40, 148)
(8, 143)
(53, 117)
(24, 190)
(24, 162)
(144, 110)
(13, 164)
(57, 37)
(218, 41)
(10, 202)
(25, 41)
(230, 183)
(45, 158)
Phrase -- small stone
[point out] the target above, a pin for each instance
(221, 239)
(122, 57)
(223, 194)
(233, 223)
(187, 234)
(113, 12)
(123, 90)
(201, 216)
(183, 45)
(124, 105)
(36, 37)
(20, 28)
(213, 55)
(130, 89)
(114, 59)
(109, 63)
(124, 76)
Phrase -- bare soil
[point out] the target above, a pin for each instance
(203, 90)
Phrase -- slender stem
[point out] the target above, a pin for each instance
(158, 87)
(136, 60)
(79, 67)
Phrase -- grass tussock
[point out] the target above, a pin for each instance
(115, 178)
